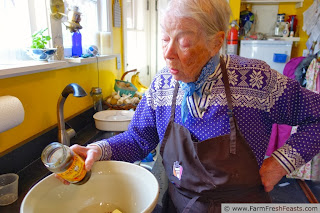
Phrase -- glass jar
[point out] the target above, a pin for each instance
(97, 97)
(280, 17)
(61, 160)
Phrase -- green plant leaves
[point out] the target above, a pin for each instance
(39, 40)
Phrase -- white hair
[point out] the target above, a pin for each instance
(212, 15)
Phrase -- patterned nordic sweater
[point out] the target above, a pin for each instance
(261, 96)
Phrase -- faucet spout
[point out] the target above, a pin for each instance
(63, 134)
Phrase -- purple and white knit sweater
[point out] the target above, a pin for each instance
(261, 96)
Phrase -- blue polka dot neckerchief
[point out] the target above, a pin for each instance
(190, 88)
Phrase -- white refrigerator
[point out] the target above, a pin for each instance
(275, 52)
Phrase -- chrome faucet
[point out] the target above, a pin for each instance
(63, 134)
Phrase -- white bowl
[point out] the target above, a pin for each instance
(113, 185)
(113, 120)
(41, 54)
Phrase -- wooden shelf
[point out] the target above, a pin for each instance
(284, 38)
(299, 3)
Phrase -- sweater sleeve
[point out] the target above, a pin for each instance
(135, 143)
(297, 106)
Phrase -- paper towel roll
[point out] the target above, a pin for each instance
(11, 112)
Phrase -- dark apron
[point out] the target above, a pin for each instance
(202, 175)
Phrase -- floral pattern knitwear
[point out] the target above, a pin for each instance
(261, 96)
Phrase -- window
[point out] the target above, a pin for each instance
(89, 23)
(20, 18)
(95, 18)
(137, 35)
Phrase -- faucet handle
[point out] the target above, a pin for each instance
(70, 133)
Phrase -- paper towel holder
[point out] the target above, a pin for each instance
(63, 134)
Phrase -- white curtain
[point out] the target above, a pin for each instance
(18, 20)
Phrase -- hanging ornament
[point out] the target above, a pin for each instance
(116, 14)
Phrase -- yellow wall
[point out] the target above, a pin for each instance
(39, 95)
(288, 9)
(235, 8)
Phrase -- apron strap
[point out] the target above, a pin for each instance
(174, 98)
(233, 130)
(171, 119)
(190, 203)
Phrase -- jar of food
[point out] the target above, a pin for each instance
(60, 159)
(280, 17)
(97, 97)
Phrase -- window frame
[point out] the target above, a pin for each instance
(55, 26)
(55, 31)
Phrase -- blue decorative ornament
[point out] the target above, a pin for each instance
(93, 50)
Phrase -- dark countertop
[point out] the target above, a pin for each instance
(36, 171)
(287, 191)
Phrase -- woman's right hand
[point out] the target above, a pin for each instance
(90, 153)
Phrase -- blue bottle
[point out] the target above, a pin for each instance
(76, 44)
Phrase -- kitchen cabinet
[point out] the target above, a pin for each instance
(266, 19)
(266, 22)
(299, 3)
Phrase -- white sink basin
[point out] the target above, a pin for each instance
(113, 185)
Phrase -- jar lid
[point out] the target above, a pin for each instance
(96, 90)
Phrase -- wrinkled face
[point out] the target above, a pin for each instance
(185, 48)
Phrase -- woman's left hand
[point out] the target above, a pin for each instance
(271, 173)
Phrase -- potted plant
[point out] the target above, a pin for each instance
(38, 50)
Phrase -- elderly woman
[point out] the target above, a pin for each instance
(212, 115)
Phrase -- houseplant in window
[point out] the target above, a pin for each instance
(38, 50)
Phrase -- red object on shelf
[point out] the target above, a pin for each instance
(293, 21)
(232, 40)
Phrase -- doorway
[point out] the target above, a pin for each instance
(142, 39)
(137, 18)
